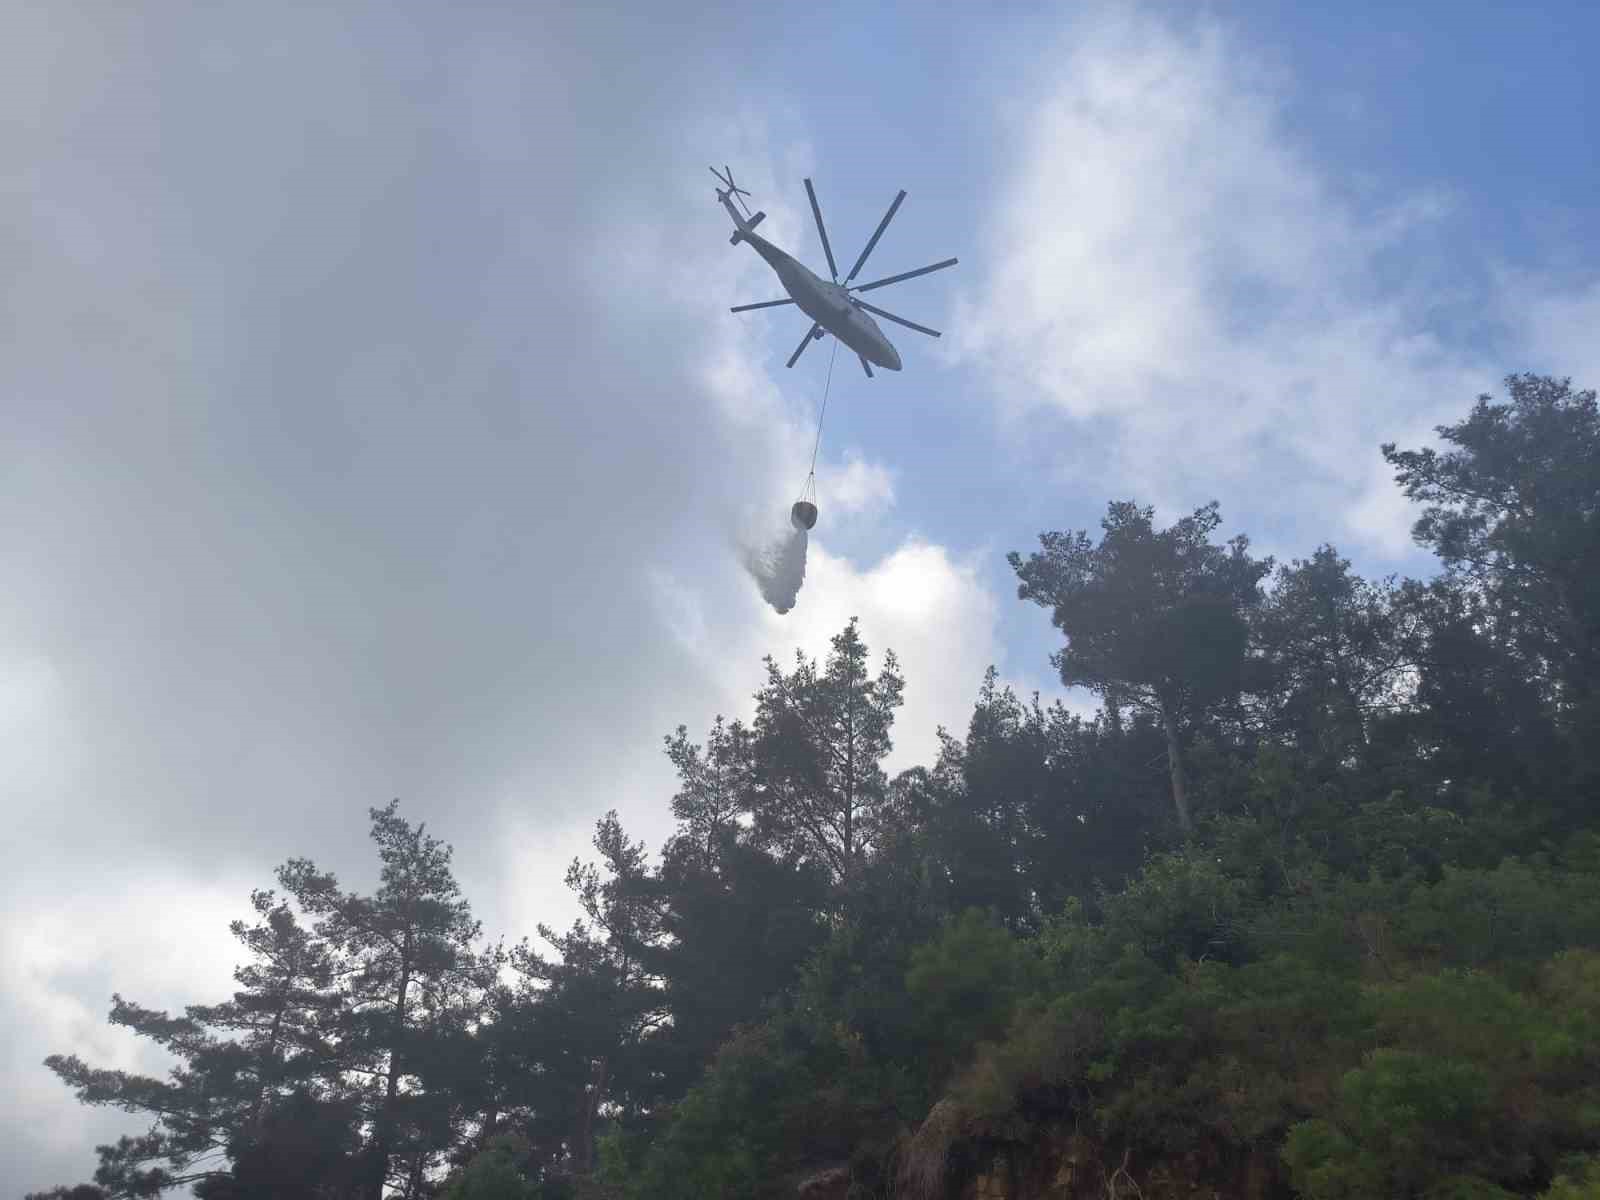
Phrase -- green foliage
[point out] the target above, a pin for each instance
(736, 931)
(1183, 905)
(1411, 1115)
(326, 1025)
(494, 1173)
(1152, 617)
(302, 1145)
(963, 987)
(1513, 507)
(821, 738)
(1332, 654)
(1580, 1181)
(1472, 1081)
(1191, 1013)
(774, 1095)
(1511, 917)
(1153, 612)
(1036, 805)
(241, 1059)
(1172, 1059)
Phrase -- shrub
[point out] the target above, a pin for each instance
(963, 986)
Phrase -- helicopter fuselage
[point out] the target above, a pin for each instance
(827, 304)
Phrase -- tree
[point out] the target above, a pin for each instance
(409, 967)
(1107, 805)
(1483, 720)
(300, 1146)
(978, 801)
(716, 785)
(1152, 618)
(713, 934)
(601, 1000)
(494, 1173)
(214, 1103)
(821, 738)
(1515, 510)
(1339, 653)
(1038, 805)
(1512, 509)
(736, 934)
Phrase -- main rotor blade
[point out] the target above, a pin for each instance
(826, 249)
(810, 333)
(718, 174)
(878, 283)
(882, 225)
(865, 366)
(889, 316)
(763, 304)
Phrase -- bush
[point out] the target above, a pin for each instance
(493, 1174)
(1476, 1088)
(1580, 1181)
(1182, 905)
(779, 1095)
(1511, 917)
(963, 986)
(1392, 1035)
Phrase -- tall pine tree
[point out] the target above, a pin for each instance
(409, 966)
(821, 738)
(1152, 617)
(239, 1061)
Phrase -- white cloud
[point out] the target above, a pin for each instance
(936, 614)
(928, 606)
(1558, 324)
(860, 487)
(58, 968)
(1175, 276)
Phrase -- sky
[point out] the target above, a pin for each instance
(373, 424)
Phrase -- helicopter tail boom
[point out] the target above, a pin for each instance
(745, 227)
(742, 224)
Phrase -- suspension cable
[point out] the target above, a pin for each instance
(827, 387)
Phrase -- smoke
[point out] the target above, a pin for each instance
(778, 565)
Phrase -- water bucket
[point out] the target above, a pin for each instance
(803, 515)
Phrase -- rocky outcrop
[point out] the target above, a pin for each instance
(831, 1183)
(925, 1160)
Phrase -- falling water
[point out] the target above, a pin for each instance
(778, 565)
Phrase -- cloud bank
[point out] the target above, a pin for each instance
(359, 398)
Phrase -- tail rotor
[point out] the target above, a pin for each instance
(734, 190)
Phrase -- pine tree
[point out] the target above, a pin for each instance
(217, 1102)
(821, 738)
(1153, 617)
(409, 967)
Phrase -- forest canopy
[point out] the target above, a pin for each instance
(1307, 907)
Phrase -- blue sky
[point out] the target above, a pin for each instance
(376, 426)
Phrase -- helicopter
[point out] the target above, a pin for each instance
(831, 306)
